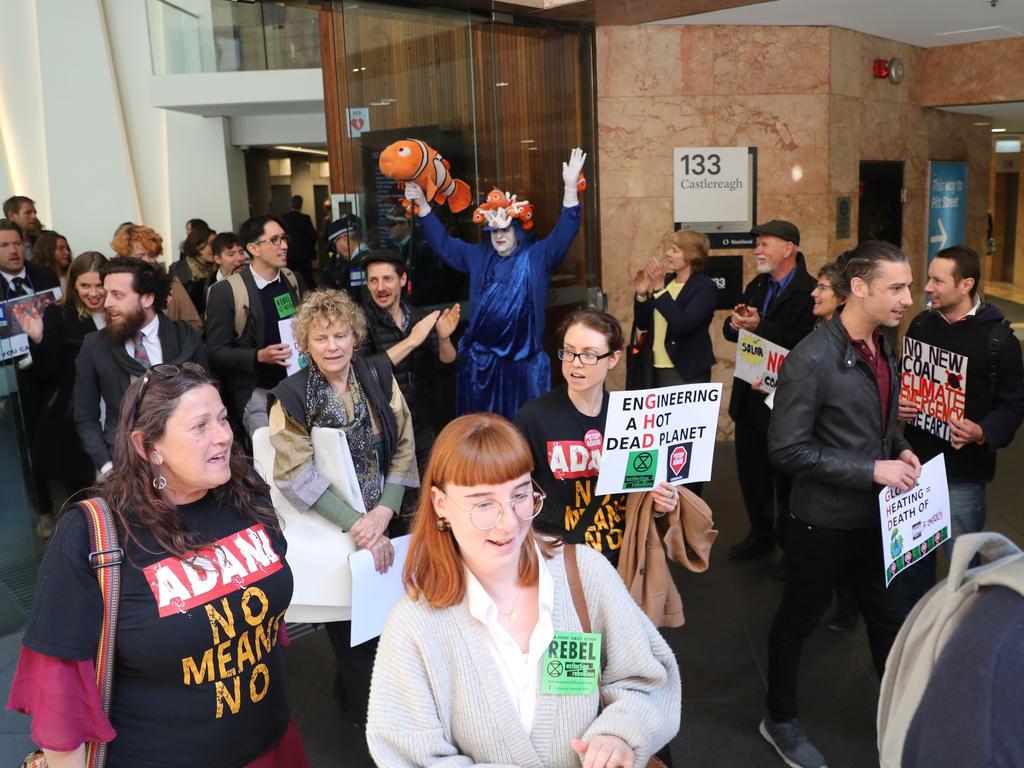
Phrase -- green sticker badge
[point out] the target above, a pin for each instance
(571, 664)
(285, 305)
(640, 469)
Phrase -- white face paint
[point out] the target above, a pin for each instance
(503, 240)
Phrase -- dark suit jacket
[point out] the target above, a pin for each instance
(789, 319)
(301, 237)
(232, 358)
(103, 369)
(687, 318)
(40, 278)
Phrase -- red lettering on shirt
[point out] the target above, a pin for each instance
(574, 458)
(232, 563)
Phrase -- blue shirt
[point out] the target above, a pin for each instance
(775, 289)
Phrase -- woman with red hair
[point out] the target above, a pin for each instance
(464, 663)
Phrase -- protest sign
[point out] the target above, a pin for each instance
(297, 361)
(15, 313)
(916, 522)
(655, 435)
(758, 358)
(935, 380)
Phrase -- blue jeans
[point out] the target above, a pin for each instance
(966, 515)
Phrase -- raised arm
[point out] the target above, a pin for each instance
(456, 253)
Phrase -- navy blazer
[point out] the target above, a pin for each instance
(688, 319)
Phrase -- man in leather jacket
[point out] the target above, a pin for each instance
(834, 430)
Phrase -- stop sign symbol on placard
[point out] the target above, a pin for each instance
(678, 459)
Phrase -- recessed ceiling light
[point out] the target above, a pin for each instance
(998, 130)
(981, 123)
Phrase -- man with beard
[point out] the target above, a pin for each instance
(418, 345)
(22, 211)
(137, 336)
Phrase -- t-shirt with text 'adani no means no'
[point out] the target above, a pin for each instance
(198, 678)
(566, 447)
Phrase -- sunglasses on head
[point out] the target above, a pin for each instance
(163, 371)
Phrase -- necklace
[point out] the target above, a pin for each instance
(511, 615)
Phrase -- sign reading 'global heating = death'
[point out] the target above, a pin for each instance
(659, 435)
(915, 522)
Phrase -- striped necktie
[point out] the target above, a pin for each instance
(140, 349)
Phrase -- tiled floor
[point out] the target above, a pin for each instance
(721, 652)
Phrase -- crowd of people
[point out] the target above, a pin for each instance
(144, 386)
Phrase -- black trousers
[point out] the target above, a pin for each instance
(756, 480)
(355, 668)
(816, 560)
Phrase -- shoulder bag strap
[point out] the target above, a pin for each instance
(105, 557)
(572, 575)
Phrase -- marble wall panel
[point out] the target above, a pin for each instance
(852, 55)
(771, 60)
(637, 136)
(974, 73)
(653, 60)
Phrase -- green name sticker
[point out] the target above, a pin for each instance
(640, 468)
(285, 306)
(571, 664)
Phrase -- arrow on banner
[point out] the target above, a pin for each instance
(941, 237)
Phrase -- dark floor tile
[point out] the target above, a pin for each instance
(721, 679)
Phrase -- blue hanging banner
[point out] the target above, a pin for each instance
(947, 206)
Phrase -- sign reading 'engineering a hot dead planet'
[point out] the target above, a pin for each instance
(656, 435)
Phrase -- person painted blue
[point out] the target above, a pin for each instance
(503, 362)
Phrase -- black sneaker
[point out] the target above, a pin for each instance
(842, 622)
(751, 547)
(791, 742)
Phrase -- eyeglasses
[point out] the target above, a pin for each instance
(163, 371)
(587, 358)
(275, 241)
(486, 514)
(822, 287)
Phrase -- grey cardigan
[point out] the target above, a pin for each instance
(437, 700)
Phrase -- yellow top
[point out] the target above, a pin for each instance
(661, 359)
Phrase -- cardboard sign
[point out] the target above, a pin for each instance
(935, 380)
(758, 358)
(914, 523)
(572, 664)
(656, 435)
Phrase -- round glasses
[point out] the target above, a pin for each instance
(587, 358)
(486, 514)
(275, 241)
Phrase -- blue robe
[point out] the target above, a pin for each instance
(503, 362)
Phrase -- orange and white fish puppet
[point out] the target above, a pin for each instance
(412, 160)
(500, 209)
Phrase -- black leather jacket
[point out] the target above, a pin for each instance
(826, 429)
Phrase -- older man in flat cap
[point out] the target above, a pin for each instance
(777, 306)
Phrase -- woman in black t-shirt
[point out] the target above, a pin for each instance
(198, 673)
(565, 430)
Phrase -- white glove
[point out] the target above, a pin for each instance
(414, 194)
(570, 177)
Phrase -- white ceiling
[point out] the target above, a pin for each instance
(924, 23)
(1009, 116)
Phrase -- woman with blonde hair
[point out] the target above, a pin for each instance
(360, 398)
(467, 671)
(677, 309)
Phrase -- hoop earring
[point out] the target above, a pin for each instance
(159, 482)
(443, 525)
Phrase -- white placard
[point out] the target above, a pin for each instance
(358, 121)
(935, 380)
(712, 188)
(297, 361)
(14, 342)
(656, 435)
(375, 594)
(914, 523)
(758, 358)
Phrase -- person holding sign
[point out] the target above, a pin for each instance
(776, 306)
(243, 313)
(485, 661)
(680, 310)
(970, 398)
(503, 361)
(834, 430)
(360, 398)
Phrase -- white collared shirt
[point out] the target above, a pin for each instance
(150, 340)
(520, 672)
(971, 313)
(29, 290)
(262, 282)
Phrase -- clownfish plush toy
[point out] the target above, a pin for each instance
(412, 160)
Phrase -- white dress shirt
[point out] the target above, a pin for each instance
(151, 342)
(262, 282)
(24, 276)
(519, 671)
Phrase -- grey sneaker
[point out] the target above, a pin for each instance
(791, 742)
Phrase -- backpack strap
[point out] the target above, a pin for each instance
(292, 280)
(241, 298)
(105, 556)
